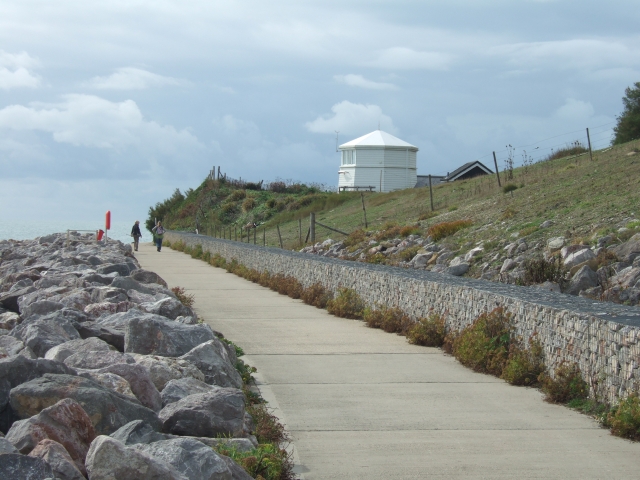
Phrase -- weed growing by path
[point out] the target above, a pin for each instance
(428, 332)
(187, 299)
(389, 319)
(566, 384)
(524, 365)
(316, 295)
(346, 304)
(624, 418)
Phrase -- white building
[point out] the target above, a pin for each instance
(377, 161)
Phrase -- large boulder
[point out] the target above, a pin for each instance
(6, 446)
(155, 335)
(109, 459)
(42, 307)
(192, 458)
(9, 300)
(210, 414)
(122, 269)
(96, 310)
(180, 388)
(137, 432)
(579, 256)
(140, 382)
(61, 352)
(96, 278)
(168, 307)
(629, 250)
(110, 380)
(164, 369)
(583, 279)
(65, 422)
(128, 283)
(145, 276)
(108, 294)
(18, 466)
(43, 333)
(213, 360)
(108, 410)
(457, 270)
(11, 345)
(8, 320)
(17, 370)
(110, 335)
(57, 457)
(96, 359)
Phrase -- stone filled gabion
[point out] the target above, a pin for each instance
(601, 337)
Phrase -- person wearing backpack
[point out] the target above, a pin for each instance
(158, 231)
(136, 234)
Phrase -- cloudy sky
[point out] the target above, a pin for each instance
(112, 105)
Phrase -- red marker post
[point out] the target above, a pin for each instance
(107, 225)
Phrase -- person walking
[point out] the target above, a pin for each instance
(158, 230)
(136, 234)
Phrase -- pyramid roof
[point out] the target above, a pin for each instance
(377, 138)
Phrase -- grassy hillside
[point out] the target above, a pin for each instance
(582, 198)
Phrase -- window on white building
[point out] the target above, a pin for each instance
(348, 157)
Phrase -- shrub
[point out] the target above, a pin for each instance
(524, 366)
(539, 270)
(408, 253)
(566, 385)
(354, 238)
(347, 304)
(196, 252)
(187, 299)
(316, 295)
(508, 213)
(278, 187)
(409, 230)
(180, 245)
(389, 319)
(206, 256)
(484, 345)
(625, 418)
(237, 195)
(218, 261)
(445, 229)
(509, 187)
(389, 230)
(248, 204)
(428, 332)
(285, 285)
(377, 258)
(574, 148)
(270, 203)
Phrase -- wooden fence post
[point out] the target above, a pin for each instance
(589, 140)
(312, 227)
(364, 210)
(254, 235)
(279, 236)
(300, 231)
(264, 237)
(430, 193)
(495, 162)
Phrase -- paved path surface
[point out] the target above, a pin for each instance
(364, 404)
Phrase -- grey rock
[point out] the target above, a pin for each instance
(42, 333)
(140, 382)
(97, 359)
(168, 307)
(583, 279)
(629, 250)
(549, 286)
(578, 257)
(65, 422)
(555, 243)
(42, 307)
(188, 320)
(145, 276)
(546, 224)
(457, 270)
(109, 459)
(444, 257)
(474, 252)
(7, 447)
(17, 466)
(17, 370)
(421, 259)
(509, 264)
(57, 457)
(108, 294)
(11, 344)
(164, 369)
(122, 269)
(113, 337)
(137, 432)
(213, 360)
(211, 414)
(191, 458)
(61, 352)
(8, 320)
(97, 278)
(9, 300)
(109, 380)
(155, 335)
(180, 388)
(128, 283)
(108, 410)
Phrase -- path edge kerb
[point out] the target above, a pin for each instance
(602, 338)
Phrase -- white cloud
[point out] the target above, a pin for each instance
(359, 81)
(90, 121)
(353, 119)
(14, 70)
(130, 78)
(402, 58)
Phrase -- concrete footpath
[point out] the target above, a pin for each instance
(363, 404)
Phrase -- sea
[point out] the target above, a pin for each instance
(26, 230)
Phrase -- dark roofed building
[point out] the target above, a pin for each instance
(468, 170)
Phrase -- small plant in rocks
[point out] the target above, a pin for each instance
(187, 299)
(484, 345)
(346, 304)
(428, 332)
(539, 270)
(566, 384)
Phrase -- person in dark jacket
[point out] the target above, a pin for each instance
(158, 230)
(136, 234)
